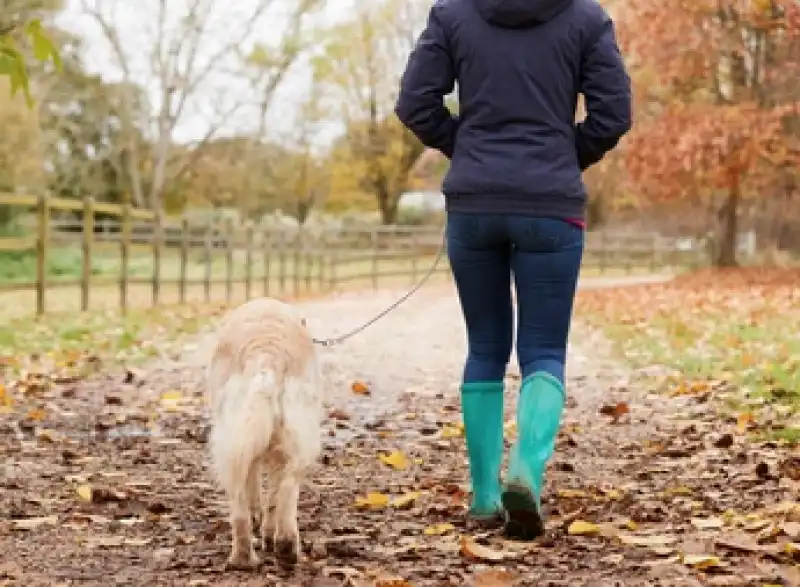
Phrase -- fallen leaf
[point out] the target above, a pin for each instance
(702, 562)
(84, 492)
(36, 415)
(474, 551)
(616, 411)
(46, 435)
(744, 421)
(647, 541)
(396, 460)
(170, 399)
(583, 528)
(494, 579)
(572, 494)
(791, 529)
(390, 581)
(452, 431)
(33, 523)
(439, 529)
(360, 388)
(707, 523)
(405, 501)
(373, 501)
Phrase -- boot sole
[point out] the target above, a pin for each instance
(523, 519)
(486, 522)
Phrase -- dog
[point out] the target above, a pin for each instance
(265, 392)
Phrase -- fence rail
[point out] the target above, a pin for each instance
(118, 247)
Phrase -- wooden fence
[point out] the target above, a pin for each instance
(116, 248)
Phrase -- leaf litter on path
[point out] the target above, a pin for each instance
(122, 490)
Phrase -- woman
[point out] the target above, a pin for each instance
(515, 205)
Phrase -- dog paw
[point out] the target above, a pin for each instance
(287, 551)
(267, 543)
(242, 561)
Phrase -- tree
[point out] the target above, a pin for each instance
(20, 31)
(714, 119)
(84, 144)
(360, 63)
(193, 60)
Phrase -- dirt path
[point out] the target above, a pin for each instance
(108, 486)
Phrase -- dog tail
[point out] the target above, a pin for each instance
(243, 427)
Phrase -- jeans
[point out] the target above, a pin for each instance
(544, 256)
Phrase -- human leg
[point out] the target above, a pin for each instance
(546, 262)
(480, 261)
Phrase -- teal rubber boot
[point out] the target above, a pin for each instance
(539, 409)
(482, 407)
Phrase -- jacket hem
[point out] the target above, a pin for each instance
(546, 205)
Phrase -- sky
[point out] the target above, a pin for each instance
(135, 20)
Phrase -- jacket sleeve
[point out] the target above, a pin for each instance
(606, 88)
(429, 77)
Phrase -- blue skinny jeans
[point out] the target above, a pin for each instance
(544, 256)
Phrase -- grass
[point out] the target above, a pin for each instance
(736, 328)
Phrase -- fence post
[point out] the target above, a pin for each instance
(374, 270)
(415, 252)
(208, 259)
(228, 260)
(282, 260)
(333, 260)
(603, 253)
(266, 251)
(320, 253)
(297, 256)
(88, 240)
(42, 246)
(125, 254)
(248, 260)
(308, 261)
(158, 238)
(185, 236)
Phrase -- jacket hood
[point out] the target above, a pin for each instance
(519, 13)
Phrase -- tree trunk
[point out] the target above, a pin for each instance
(729, 227)
(388, 206)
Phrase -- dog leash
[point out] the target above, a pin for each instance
(329, 342)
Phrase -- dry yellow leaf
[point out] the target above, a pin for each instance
(702, 562)
(84, 492)
(405, 500)
(582, 528)
(453, 431)
(170, 399)
(46, 435)
(37, 415)
(474, 551)
(572, 494)
(743, 422)
(396, 460)
(680, 490)
(373, 501)
(6, 400)
(439, 529)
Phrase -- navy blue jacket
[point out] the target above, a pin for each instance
(520, 64)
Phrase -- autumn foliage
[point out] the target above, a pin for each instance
(717, 100)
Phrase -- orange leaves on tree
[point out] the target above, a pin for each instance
(713, 146)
